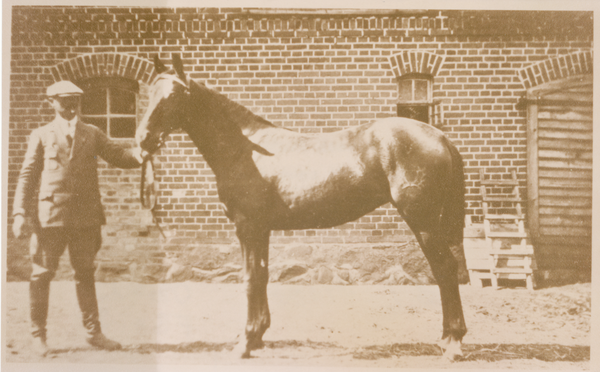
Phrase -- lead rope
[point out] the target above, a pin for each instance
(148, 194)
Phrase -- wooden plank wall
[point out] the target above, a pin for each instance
(565, 180)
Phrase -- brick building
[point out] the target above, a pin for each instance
(477, 75)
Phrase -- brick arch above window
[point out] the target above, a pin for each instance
(415, 62)
(104, 64)
(557, 68)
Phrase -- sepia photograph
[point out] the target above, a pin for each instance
(297, 186)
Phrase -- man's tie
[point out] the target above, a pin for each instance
(70, 140)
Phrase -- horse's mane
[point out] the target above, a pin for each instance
(231, 110)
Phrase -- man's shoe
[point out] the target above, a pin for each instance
(101, 342)
(39, 346)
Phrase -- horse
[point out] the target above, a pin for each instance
(272, 178)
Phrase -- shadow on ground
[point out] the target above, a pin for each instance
(485, 352)
(471, 352)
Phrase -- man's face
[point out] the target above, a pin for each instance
(67, 107)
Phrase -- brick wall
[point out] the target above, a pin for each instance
(314, 72)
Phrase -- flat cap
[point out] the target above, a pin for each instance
(62, 89)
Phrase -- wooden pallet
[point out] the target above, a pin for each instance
(506, 260)
(514, 263)
(477, 256)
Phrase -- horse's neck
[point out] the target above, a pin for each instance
(216, 126)
(231, 111)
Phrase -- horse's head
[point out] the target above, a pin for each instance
(167, 107)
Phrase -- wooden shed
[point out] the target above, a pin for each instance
(559, 173)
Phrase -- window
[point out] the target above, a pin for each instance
(110, 103)
(415, 100)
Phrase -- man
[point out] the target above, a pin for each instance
(59, 179)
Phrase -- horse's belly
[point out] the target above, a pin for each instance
(318, 219)
(328, 206)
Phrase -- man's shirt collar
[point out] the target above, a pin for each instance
(68, 126)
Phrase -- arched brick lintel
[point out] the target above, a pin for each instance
(415, 62)
(557, 68)
(104, 64)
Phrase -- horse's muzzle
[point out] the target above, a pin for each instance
(149, 144)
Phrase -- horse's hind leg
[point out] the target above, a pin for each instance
(445, 271)
(255, 253)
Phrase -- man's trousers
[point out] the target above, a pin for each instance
(47, 246)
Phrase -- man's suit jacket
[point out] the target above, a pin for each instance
(67, 178)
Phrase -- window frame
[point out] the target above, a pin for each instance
(434, 112)
(109, 83)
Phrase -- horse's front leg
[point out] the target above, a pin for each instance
(255, 253)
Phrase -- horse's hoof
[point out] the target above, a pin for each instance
(255, 344)
(452, 356)
(241, 350)
(451, 347)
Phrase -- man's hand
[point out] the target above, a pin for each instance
(18, 226)
(140, 154)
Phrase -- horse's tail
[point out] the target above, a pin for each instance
(453, 212)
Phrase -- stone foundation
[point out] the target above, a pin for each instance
(394, 264)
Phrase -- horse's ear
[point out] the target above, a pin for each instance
(158, 65)
(178, 66)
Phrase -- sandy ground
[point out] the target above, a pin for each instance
(190, 324)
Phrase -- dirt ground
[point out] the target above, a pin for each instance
(189, 324)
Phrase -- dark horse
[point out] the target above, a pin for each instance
(270, 178)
